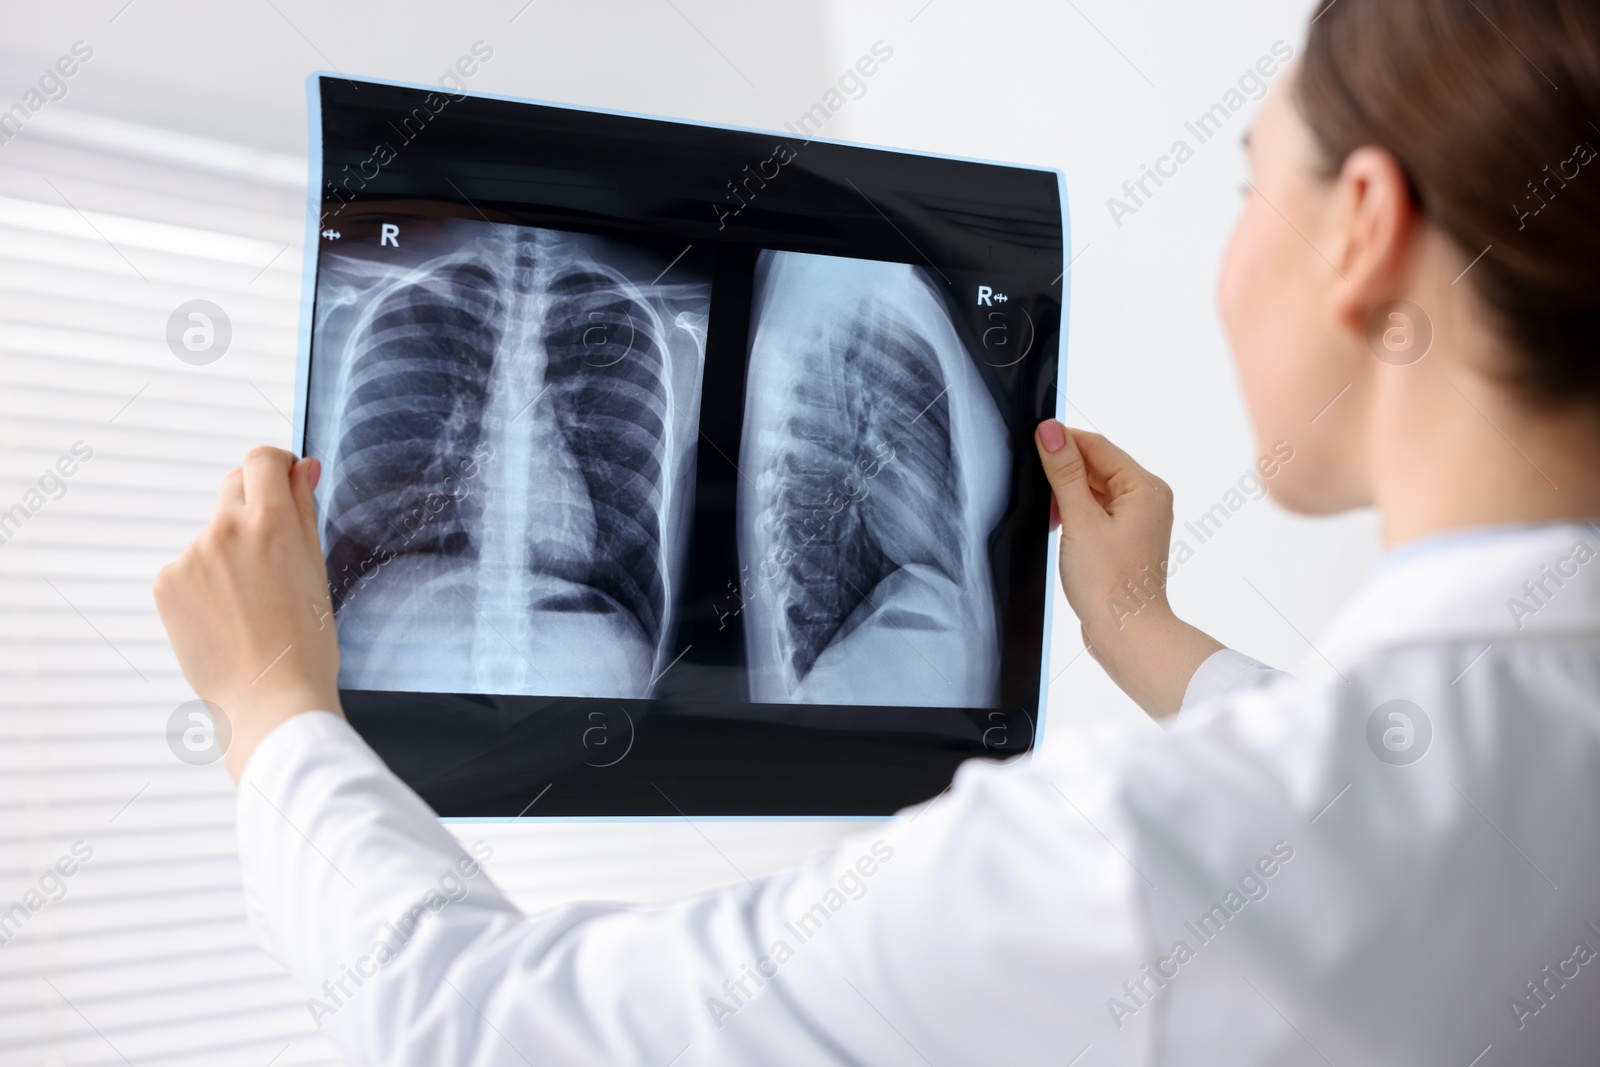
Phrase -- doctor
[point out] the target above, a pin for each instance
(1390, 857)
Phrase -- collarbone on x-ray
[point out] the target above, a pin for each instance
(880, 469)
(513, 427)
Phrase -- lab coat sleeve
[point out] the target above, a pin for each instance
(984, 927)
(1226, 671)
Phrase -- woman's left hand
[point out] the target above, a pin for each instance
(1116, 528)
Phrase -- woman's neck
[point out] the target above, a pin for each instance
(1456, 449)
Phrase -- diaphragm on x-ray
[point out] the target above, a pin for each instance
(509, 416)
(879, 465)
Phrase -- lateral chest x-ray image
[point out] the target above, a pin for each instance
(879, 464)
(510, 416)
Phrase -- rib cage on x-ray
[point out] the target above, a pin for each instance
(884, 376)
(878, 479)
(414, 400)
(512, 466)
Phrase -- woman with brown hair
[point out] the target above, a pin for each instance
(1392, 856)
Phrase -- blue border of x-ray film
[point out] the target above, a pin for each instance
(308, 290)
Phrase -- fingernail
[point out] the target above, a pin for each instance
(1052, 436)
(313, 472)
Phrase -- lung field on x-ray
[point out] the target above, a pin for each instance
(878, 459)
(873, 415)
(509, 415)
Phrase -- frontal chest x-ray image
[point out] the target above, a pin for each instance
(508, 415)
(879, 466)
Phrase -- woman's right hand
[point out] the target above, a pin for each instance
(1116, 530)
(247, 606)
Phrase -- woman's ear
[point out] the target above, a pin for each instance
(1375, 226)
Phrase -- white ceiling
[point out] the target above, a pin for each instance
(236, 71)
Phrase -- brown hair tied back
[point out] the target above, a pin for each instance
(1492, 108)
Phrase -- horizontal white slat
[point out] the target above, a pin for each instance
(84, 178)
(28, 253)
(181, 153)
(122, 231)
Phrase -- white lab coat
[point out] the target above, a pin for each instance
(1256, 885)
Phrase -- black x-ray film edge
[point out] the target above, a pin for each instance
(724, 760)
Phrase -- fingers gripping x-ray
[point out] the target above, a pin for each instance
(879, 463)
(511, 483)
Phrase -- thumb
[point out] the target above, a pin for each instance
(1064, 466)
(303, 480)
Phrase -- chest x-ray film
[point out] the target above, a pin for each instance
(672, 469)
